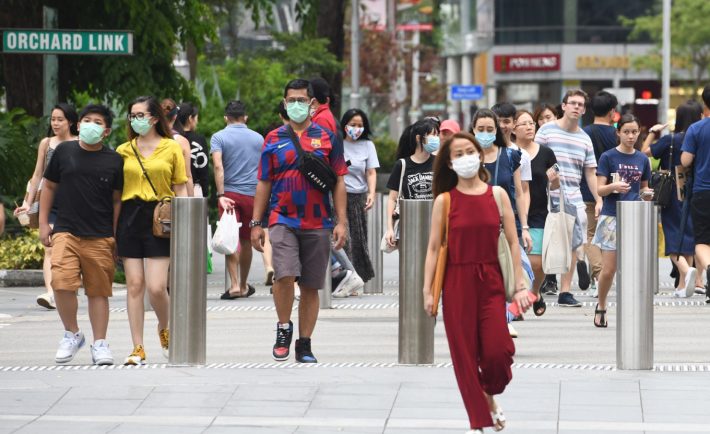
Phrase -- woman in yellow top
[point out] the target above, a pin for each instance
(152, 148)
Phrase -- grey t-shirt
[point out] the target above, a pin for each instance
(241, 151)
(362, 156)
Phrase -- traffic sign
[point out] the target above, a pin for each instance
(38, 41)
(461, 92)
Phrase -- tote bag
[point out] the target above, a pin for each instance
(505, 258)
(557, 237)
(438, 283)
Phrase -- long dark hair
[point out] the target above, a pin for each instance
(71, 116)
(161, 127)
(485, 113)
(687, 114)
(627, 119)
(185, 111)
(408, 140)
(445, 179)
(348, 115)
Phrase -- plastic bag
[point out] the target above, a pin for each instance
(226, 238)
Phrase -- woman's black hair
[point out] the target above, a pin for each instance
(408, 140)
(348, 115)
(687, 114)
(627, 119)
(185, 111)
(486, 113)
(70, 114)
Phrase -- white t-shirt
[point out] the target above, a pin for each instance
(362, 156)
(525, 162)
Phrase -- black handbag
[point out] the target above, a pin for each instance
(662, 182)
(316, 170)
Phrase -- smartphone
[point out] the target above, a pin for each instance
(513, 307)
(556, 168)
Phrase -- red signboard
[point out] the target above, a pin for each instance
(526, 62)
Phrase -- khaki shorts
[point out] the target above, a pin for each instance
(76, 259)
(300, 253)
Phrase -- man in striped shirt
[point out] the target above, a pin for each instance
(575, 157)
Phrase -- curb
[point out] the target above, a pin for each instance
(12, 278)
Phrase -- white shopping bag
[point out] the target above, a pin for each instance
(226, 238)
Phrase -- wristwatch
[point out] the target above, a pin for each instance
(254, 223)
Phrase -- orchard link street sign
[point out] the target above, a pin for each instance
(40, 41)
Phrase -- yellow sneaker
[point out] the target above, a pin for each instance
(137, 357)
(164, 336)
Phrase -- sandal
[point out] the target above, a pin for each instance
(602, 317)
(539, 306)
(498, 419)
(229, 296)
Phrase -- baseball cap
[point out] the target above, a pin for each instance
(450, 125)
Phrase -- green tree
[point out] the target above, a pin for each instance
(690, 36)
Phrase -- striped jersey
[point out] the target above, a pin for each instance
(294, 201)
(574, 152)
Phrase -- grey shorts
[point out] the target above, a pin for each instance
(300, 253)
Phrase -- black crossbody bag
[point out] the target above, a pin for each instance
(315, 169)
(662, 181)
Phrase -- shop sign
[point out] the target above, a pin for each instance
(526, 62)
(602, 62)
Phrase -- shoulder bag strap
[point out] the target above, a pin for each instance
(445, 225)
(296, 140)
(495, 178)
(401, 177)
(670, 157)
(496, 196)
(135, 151)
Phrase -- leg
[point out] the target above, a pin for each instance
(98, 315)
(682, 263)
(266, 256)
(283, 298)
(567, 277)
(308, 309)
(67, 306)
(135, 285)
(607, 275)
(702, 254)
(232, 262)
(593, 253)
(156, 282)
(245, 257)
(536, 263)
(47, 269)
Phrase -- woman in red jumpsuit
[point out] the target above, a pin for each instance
(474, 296)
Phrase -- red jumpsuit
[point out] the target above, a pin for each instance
(474, 304)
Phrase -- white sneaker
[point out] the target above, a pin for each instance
(100, 353)
(355, 291)
(350, 284)
(511, 330)
(46, 300)
(69, 346)
(595, 288)
(700, 290)
(690, 281)
(681, 293)
(341, 290)
(296, 292)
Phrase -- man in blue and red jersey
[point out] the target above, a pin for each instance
(301, 219)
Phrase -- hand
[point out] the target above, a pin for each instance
(370, 201)
(656, 129)
(428, 303)
(340, 235)
(21, 209)
(45, 235)
(552, 175)
(598, 208)
(527, 240)
(389, 236)
(521, 299)
(621, 187)
(226, 203)
(258, 238)
(647, 194)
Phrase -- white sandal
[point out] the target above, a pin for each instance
(498, 419)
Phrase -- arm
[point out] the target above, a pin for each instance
(686, 159)
(263, 193)
(522, 203)
(371, 186)
(45, 205)
(432, 252)
(180, 190)
(224, 202)
(605, 189)
(187, 155)
(653, 133)
(340, 232)
(391, 203)
(2, 219)
(116, 210)
(36, 177)
(590, 175)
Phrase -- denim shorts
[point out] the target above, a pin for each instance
(605, 235)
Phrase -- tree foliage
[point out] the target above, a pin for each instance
(19, 137)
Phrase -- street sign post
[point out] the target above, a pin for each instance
(47, 41)
(460, 92)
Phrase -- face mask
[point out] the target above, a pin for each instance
(354, 132)
(432, 144)
(141, 126)
(90, 133)
(485, 139)
(297, 111)
(466, 166)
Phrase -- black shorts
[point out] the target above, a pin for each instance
(700, 212)
(134, 236)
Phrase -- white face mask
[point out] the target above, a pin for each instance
(466, 166)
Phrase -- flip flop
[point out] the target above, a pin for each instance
(539, 307)
(250, 291)
(227, 296)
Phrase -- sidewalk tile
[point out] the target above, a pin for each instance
(265, 408)
(88, 407)
(323, 400)
(45, 427)
(600, 413)
(136, 428)
(249, 430)
(269, 393)
(195, 399)
(348, 413)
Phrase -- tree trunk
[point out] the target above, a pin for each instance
(330, 25)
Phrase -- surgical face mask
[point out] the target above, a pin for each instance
(91, 133)
(354, 132)
(485, 139)
(432, 144)
(141, 126)
(297, 111)
(466, 166)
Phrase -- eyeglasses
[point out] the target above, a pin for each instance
(526, 124)
(293, 100)
(139, 115)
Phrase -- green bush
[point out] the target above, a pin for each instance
(21, 252)
(386, 153)
(19, 137)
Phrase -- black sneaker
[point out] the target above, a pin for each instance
(283, 342)
(303, 351)
(583, 275)
(548, 287)
(566, 299)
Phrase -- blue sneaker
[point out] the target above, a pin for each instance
(566, 299)
(303, 351)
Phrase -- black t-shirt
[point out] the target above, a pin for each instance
(603, 138)
(539, 165)
(200, 160)
(86, 182)
(418, 177)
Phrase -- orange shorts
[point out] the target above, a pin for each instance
(76, 259)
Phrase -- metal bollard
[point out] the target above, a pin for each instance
(636, 282)
(188, 282)
(325, 294)
(375, 218)
(416, 328)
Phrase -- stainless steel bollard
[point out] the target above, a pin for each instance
(188, 282)
(325, 294)
(375, 219)
(416, 328)
(636, 282)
